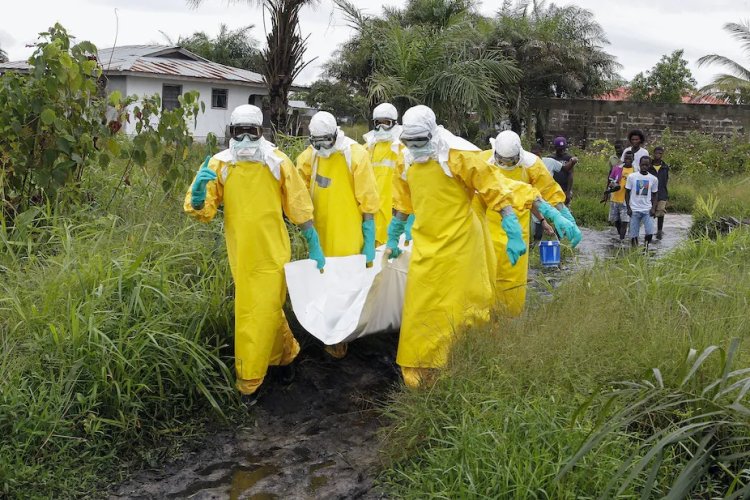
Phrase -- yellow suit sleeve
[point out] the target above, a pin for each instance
(214, 196)
(365, 186)
(496, 190)
(401, 191)
(543, 181)
(304, 166)
(295, 198)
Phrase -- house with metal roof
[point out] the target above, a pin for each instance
(172, 70)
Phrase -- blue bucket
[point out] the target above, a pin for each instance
(549, 252)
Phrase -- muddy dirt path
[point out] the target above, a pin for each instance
(317, 438)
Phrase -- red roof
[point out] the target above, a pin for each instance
(623, 94)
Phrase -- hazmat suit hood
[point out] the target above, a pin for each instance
(324, 123)
(260, 150)
(508, 144)
(388, 111)
(420, 121)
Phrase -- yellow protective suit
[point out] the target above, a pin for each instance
(511, 281)
(341, 195)
(448, 286)
(257, 247)
(384, 162)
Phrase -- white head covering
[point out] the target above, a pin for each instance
(508, 144)
(420, 121)
(247, 114)
(323, 123)
(265, 151)
(387, 111)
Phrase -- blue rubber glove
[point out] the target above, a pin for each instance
(568, 229)
(395, 229)
(565, 211)
(198, 190)
(407, 230)
(516, 246)
(313, 246)
(368, 232)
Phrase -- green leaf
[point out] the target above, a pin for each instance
(114, 98)
(47, 116)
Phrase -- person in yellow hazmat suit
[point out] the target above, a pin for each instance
(344, 192)
(257, 184)
(511, 161)
(448, 286)
(386, 153)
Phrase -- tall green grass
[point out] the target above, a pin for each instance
(513, 407)
(113, 336)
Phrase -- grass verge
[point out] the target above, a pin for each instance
(514, 405)
(113, 329)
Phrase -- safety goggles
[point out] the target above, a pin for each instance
(383, 123)
(239, 132)
(507, 161)
(416, 142)
(323, 141)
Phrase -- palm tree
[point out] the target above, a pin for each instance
(559, 49)
(733, 86)
(3, 56)
(282, 56)
(438, 62)
(235, 48)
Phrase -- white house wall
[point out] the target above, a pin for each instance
(213, 120)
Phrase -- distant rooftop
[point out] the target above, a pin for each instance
(623, 94)
(160, 60)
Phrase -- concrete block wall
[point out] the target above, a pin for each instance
(584, 120)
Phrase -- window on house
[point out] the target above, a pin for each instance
(219, 98)
(169, 95)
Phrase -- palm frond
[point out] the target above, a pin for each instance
(719, 60)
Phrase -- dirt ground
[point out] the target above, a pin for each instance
(317, 438)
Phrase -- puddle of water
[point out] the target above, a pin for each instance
(238, 481)
(317, 482)
(243, 480)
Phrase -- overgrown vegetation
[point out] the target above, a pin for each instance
(112, 325)
(521, 397)
(114, 308)
(57, 125)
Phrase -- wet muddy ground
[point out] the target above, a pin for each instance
(317, 438)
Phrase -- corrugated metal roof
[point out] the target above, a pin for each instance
(172, 61)
(161, 60)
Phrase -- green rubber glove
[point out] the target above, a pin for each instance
(568, 229)
(368, 232)
(395, 229)
(565, 211)
(198, 189)
(516, 246)
(409, 224)
(313, 246)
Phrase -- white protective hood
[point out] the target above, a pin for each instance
(421, 120)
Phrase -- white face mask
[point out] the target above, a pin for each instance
(383, 135)
(325, 152)
(422, 154)
(246, 149)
